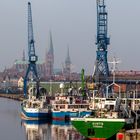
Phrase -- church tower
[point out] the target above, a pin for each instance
(67, 70)
(50, 59)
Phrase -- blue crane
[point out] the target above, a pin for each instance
(101, 66)
(31, 53)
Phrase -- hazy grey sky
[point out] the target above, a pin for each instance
(73, 23)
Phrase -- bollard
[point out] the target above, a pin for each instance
(120, 136)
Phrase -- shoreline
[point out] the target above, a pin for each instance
(17, 97)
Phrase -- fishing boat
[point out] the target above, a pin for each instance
(110, 115)
(70, 103)
(106, 121)
(35, 108)
(67, 105)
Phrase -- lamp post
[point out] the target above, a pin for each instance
(51, 87)
(136, 96)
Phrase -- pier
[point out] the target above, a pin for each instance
(133, 134)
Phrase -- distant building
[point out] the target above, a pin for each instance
(50, 60)
(20, 67)
(46, 70)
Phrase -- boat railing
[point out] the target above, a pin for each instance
(71, 107)
(72, 104)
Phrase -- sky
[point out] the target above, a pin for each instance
(73, 24)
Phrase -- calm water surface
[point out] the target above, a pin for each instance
(13, 128)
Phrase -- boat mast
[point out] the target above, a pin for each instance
(114, 62)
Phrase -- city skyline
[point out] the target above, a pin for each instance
(74, 23)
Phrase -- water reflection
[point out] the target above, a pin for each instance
(57, 130)
(12, 128)
(36, 130)
(64, 131)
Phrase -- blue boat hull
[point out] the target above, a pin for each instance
(61, 115)
(36, 115)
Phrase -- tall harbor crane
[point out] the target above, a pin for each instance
(102, 41)
(31, 53)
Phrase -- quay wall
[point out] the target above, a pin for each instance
(133, 134)
(18, 97)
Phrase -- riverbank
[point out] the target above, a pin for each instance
(18, 97)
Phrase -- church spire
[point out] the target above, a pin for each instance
(67, 70)
(23, 56)
(50, 58)
(68, 61)
(51, 44)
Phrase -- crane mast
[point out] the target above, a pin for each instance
(31, 47)
(102, 41)
(31, 54)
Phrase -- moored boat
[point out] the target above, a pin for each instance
(69, 104)
(101, 128)
(105, 122)
(65, 106)
(35, 108)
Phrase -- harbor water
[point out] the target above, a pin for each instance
(13, 128)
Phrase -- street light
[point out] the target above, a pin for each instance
(136, 96)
